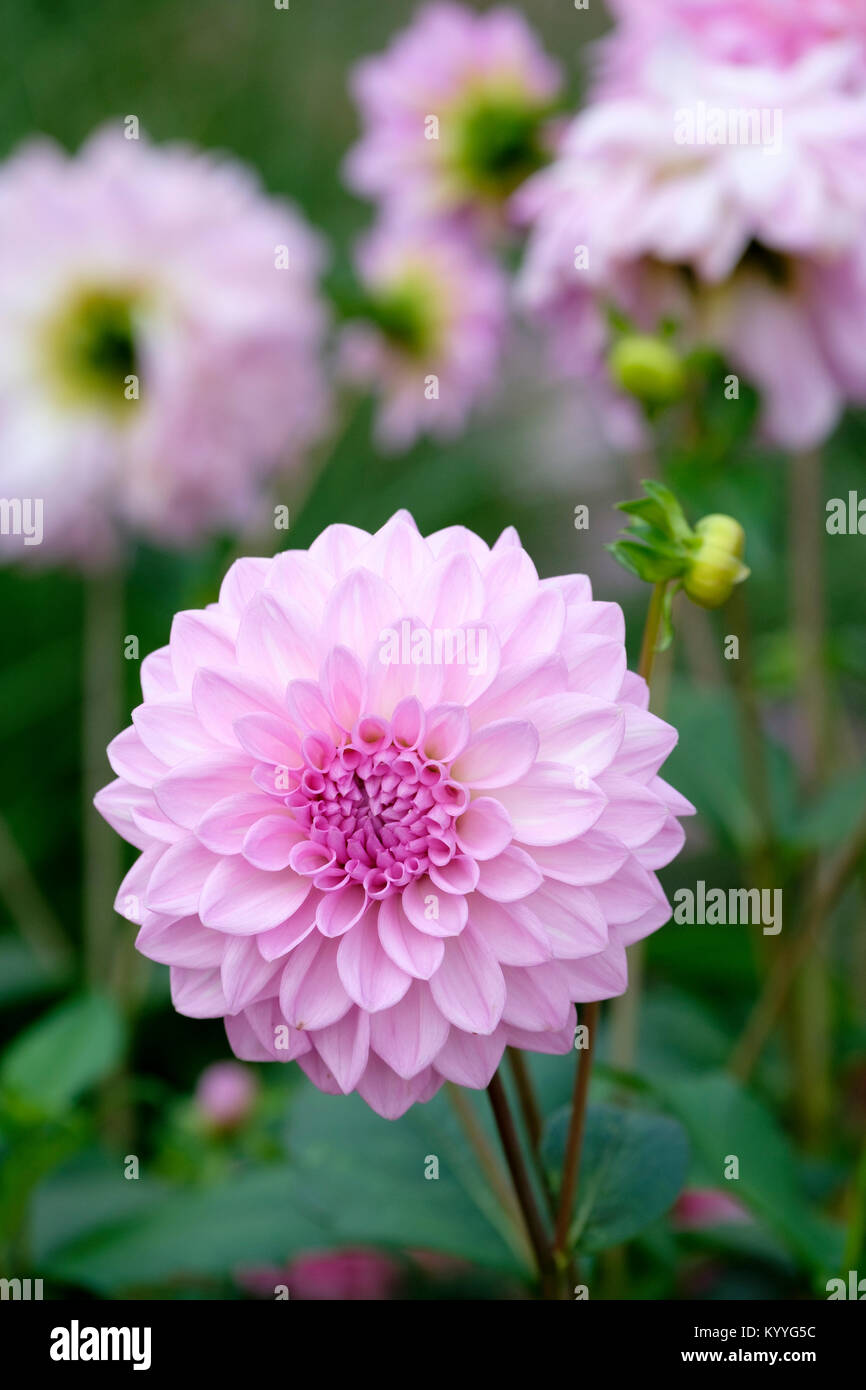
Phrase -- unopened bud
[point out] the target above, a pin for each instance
(648, 368)
(717, 563)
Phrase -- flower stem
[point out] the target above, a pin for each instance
(624, 1014)
(777, 988)
(532, 1119)
(651, 631)
(809, 999)
(522, 1185)
(574, 1140)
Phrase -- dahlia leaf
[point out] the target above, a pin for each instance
(634, 1165)
(62, 1054)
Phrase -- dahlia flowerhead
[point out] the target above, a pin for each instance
(774, 33)
(160, 337)
(431, 332)
(727, 200)
(455, 113)
(398, 805)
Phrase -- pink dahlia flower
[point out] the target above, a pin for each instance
(160, 330)
(752, 243)
(433, 339)
(225, 1094)
(700, 1207)
(398, 805)
(343, 1275)
(767, 32)
(454, 112)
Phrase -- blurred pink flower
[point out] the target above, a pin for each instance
(399, 807)
(755, 248)
(158, 270)
(453, 112)
(433, 340)
(363, 1275)
(225, 1094)
(771, 32)
(699, 1207)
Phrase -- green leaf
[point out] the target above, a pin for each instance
(829, 817)
(353, 1179)
(259, 1216)
(645, 563)
(723, 1120)
(632, 1168)
(676, 520)
(646, 509)
(369, 1175)
(67, 1050)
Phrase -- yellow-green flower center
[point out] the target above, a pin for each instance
(495, 142)
(91, 348)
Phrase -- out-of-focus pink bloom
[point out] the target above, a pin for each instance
(160, 331)
(434, 338)
(398, 805)
(775, 33)
(344, 1275)
(699, 1207)
(752, 241)
(453, 112)
(225, 1094)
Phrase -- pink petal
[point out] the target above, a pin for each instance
(469, 987)
(497, 755)
(468, 1059)
(409, 1034)
(243, 579)
(172, 731)
(415, 952)
(177, 880)
(191, 789)
(344, 1047)
(278, 641)
(431, 911)
(199, 638)
(344, 687)
(484, 829)
(546, 807)
(511, 875)
(182, 941)
(133, 760)
(368, 974)
(592, 858)
(578, 729)
(311, 992)
(224, 827)
(633, 814)
(514, 933)
(244, 973)
(221, 697)
(242, 900)
(447, 732)
(269, 843)
(389, 1094)
(537, 999)
(270, 738)
(197, 993)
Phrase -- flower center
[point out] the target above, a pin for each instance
(407, 313)
(92, 347)
(497, 142)
(373, 811)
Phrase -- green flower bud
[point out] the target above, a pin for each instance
(647, 368)
(716, 566)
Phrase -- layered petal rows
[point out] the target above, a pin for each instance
(398, 805)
